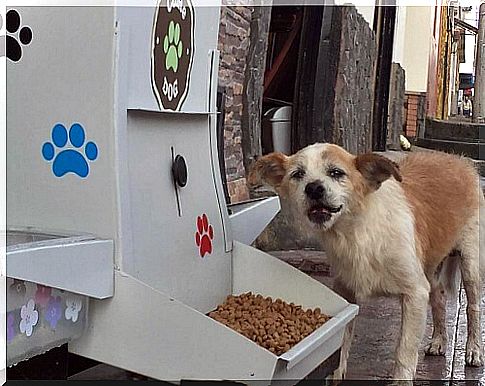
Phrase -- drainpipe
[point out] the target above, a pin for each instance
(444, 101)
(479, 100)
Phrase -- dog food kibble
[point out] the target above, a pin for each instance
(273, 324)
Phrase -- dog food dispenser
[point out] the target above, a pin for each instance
(115, 199)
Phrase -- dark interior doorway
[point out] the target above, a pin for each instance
(281, 64)
(282, 55)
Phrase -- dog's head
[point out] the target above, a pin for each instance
(323, 181)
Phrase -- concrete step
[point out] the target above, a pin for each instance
(454, 130)
(397, 156)
(470, 149)
(458, 139)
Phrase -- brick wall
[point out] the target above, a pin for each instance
(234, 30)
(414, 113)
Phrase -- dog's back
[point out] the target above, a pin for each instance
(444, 193)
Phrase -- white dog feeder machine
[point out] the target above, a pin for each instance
(112, 139)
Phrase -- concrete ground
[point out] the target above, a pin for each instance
(377, 330)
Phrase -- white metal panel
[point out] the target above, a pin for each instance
(124, 242)
(249, 219)
(311, 360)
(191, 77)
(321, 338)
(166, 255)
(216, 171)
(64, 76)
(81, 266)
(146, 331)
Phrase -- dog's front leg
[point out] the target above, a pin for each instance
(348, 295)
(414, 308)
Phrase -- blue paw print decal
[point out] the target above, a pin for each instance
(74, 158)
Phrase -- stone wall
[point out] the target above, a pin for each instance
(335, 91)
(254, 86)
(234, 33)
(354, 84)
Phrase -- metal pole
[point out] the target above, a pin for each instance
(479, 105)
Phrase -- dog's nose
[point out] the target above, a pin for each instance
(315, 190)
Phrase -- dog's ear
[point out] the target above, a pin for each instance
(376, 169)
(268, 170)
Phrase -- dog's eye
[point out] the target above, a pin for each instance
(298, 174)
(336, 173)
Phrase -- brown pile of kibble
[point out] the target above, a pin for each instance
(274, 325)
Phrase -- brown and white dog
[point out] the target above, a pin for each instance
(391, 229)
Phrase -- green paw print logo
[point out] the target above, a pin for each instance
(172, 46)
(172, 52)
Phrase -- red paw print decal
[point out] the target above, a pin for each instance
(204, 235)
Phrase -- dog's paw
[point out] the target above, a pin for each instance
(436, 347)
(473, 355)
(399, 383)
(336, 382)
(403, 374)
(338, 376)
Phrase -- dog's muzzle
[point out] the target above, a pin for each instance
(320, 213)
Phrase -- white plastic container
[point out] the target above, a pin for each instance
(50, 280)
(40, 318)
(278, 122)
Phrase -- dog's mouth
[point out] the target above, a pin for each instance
(321, 213)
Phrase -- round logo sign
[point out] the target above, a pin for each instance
(172, 52)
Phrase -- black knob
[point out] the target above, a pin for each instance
(179, 171)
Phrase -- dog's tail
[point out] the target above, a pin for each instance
(450, 275)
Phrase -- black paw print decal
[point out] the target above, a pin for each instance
(16, 33)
